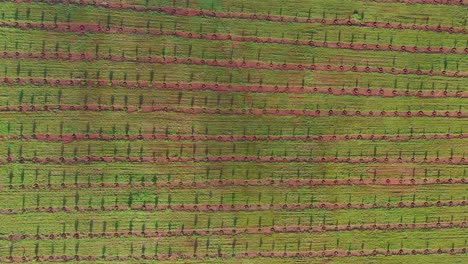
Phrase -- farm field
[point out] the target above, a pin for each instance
(222, 131)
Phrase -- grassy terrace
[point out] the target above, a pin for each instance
(260, 28)
(39, 95)
(109, 70)
(172, 173)
(161, 122)
(342, 9)
(163, 148)
(368, 11)
(118, 246)
(381, 195)
(379, 259)
(149, 45)
(114, 221)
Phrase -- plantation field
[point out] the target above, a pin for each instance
(221, 131)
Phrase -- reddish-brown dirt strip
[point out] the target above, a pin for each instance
(250, 111)
(241, 182)
(190, 12)
(230, 231)
(249, 64)
(234, 207)
(434, 2)
(258, 88)
(247, 255)
(227, 138)
(98, 28)
(156, 159)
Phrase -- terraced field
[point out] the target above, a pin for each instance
(233, 131)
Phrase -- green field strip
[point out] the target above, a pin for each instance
(301, 31)
(415, 82)
(419, 14)
(136, 174)
(115, 221)
(108, 70)
(368, 12)
(429, 259)
(163, 148)
(276, 53)
(131, 46)
(131, 71)
(178, 123)
(232, 195)
(279, 242)
(55, 43)
(34, 95)
(414, 239)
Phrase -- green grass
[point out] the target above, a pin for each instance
(431, 259)
(49, 122)
(131, 44)
(368, 11)
(287, 242)
(122, 220)
(37, 95)
(245, 27)
(118, 71)
(234, 195)
(163, 148)
(135, 173)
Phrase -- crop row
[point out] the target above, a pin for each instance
(225, 158)
(201, 137)
(49, 83)
(384, 259)
(356, 255)
(177, 175)
(435, 2)
(294, 36)
(45, 98)
(434, 18)
(210, 208)
(236, 63)
(177, 43)
(199, 45)
(164, 149)
(229, 231)
(83, 222)
(125, 72)
(249, 111)
(119, 122)
(217, 47)
(232, 198)
(264, 182)
(278, 243)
